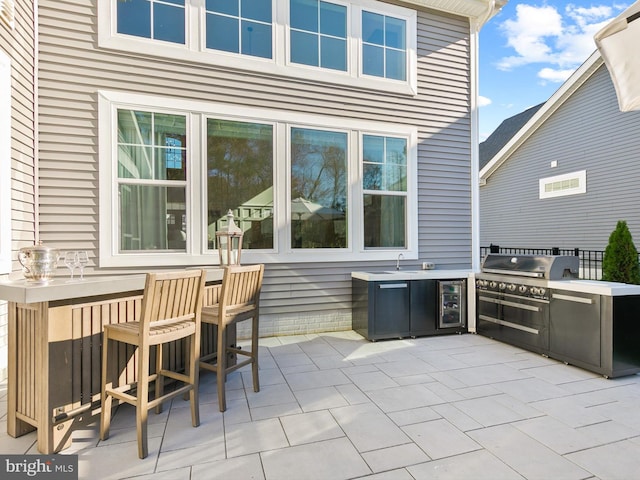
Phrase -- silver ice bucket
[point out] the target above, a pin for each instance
(38, 262)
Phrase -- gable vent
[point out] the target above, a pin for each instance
(7, 12)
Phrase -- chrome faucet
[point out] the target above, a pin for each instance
(400, 257)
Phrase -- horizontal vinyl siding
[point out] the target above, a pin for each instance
(587, 133)
(19, 45)
(72, 70)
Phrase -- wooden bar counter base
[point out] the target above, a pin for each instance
(54, 351)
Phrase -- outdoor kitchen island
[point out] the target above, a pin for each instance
(537, 303)
(409, 303)
(55, 337)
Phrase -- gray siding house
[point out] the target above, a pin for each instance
(569, 174)
(139, 124)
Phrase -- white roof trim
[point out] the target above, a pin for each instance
(481, 10)
(579, 77)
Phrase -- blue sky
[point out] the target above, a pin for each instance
(530, 48)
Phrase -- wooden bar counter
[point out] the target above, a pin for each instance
(54, 349)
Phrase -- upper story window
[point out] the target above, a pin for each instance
(154, 19)
(239, 26)
(356, 43)
(318, 34)
(384, 46)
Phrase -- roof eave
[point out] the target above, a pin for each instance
(481, 10)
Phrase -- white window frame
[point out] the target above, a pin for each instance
(5, 163)
(197, 252)
(581, 176)
(195, 50)
(388, 193)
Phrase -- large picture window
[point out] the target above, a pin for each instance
(318, 188)
(357, 43)
(240, 179)
(296, 183)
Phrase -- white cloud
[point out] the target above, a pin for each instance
(555, 76)
(562, 40)
(483, 101)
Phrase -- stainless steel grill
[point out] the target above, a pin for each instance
(513, 296)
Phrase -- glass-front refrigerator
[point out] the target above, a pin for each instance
(452, 303)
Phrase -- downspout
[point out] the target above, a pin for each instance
(475, 25)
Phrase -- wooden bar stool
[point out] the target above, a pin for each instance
(171, 310)
(239, 301)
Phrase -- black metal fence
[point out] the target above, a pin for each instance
(590, 260)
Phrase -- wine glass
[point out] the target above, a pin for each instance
(71, 261)
(82, 259)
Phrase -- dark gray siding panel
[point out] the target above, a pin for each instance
(588, 132)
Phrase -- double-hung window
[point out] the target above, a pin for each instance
(384, 183)
(358, 43)
(151, 181)
(297, 183)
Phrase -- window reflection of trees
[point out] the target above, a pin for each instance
(318, 189)
(240, 178)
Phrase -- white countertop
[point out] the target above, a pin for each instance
(63, 288)
(412, 275)
(596, 287)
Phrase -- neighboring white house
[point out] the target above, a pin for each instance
(143, 122)
(569, 174)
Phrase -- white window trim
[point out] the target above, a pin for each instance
(197, 253)
(194, 49)
(5, 163)
(581, 176)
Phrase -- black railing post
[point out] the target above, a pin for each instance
(494, 248)
(555, 251)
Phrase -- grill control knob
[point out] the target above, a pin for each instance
(541, 291)
(522, 288)
(502, 286)
(511, 287)
(535, 290)
(492, 284)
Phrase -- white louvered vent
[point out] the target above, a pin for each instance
(7, 12)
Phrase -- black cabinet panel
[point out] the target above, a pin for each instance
(391, 315)
(424, 307)
(396, 309)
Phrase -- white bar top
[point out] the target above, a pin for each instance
(62, 288)
(412, 275)
(597, 287)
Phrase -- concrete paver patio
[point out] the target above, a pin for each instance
(334, 406)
